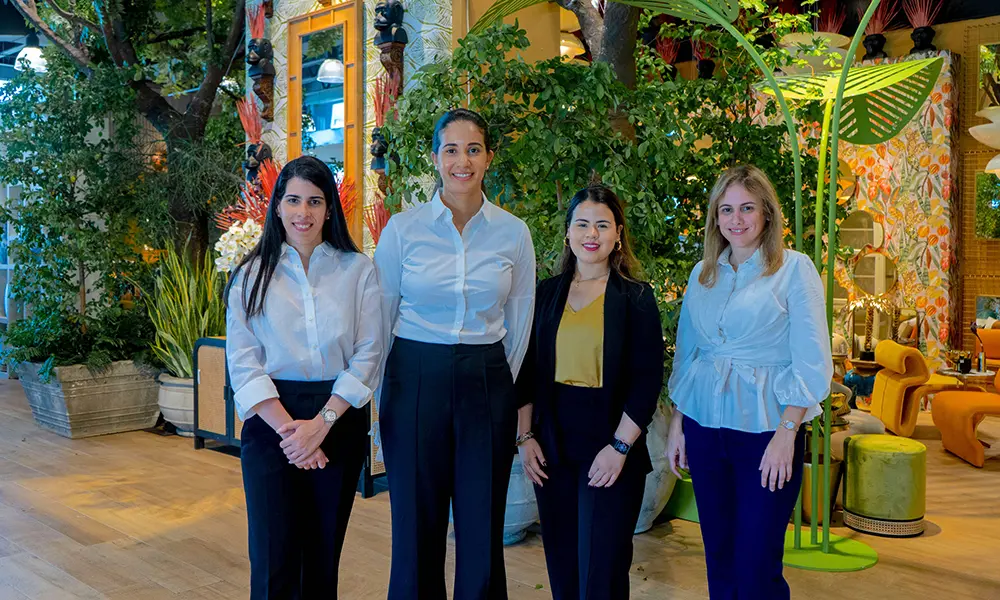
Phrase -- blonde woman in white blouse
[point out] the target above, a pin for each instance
(304, 346)
(458, 282)
(752, 363)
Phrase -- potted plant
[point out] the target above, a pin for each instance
(921, 14)
(185, 305)
(881, 21)
(71, 144)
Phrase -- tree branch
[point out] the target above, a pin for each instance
(208, 30)
(590, 20)
(201, 105)
(78, 54)
(72, 17)
(173, 35)
(618, 47)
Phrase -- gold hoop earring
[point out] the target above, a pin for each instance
(566, 242)
(618, 246)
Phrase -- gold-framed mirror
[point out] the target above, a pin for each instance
(860, 229)
(326, 94)
(875, 274)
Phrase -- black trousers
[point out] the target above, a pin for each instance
(448, 421)
(742, 524)
(298, 518)
(586, 532)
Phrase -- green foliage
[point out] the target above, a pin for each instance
(72, 144)
(987, 206)
(185, 305)
(553, 131)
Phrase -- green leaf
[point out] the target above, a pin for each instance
(879, 100)
(691, 10)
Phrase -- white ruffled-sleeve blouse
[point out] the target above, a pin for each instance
(750, 345)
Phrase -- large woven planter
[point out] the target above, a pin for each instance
(76, 403)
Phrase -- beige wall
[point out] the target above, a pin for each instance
(540, 21)
(949, 36)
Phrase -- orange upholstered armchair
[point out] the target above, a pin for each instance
(958, 413)
(991, 341)
(903, 371)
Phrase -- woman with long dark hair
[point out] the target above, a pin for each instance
(304, 347)
(589, 387)
(458, 281)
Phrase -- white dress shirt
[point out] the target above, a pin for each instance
(750, 345)
(444, 287)
(323, 325)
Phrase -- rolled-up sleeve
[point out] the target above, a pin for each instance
(356, 383)
(806, 382)
(646, 365)
(245, 356)
(519, 309)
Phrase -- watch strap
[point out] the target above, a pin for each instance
(621, 446)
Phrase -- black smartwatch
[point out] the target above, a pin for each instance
(620, 446)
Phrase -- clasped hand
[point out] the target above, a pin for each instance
(301, 442)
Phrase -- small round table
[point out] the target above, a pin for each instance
(979, 380)
(865, 368)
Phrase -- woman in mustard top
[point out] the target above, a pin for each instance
(588, 389)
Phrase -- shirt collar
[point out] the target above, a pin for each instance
(438, 208)
(324, 247)
(754, 260)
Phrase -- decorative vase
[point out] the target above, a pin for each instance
(660, 481)
(807, 490)
(874, 44)
(922, 38)
(176, 400)
(706, 67)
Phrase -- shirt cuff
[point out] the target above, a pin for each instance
(352, 390)
(254, 392)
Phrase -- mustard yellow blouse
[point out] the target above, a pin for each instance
(580, 346)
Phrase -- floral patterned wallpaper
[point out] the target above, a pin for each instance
(910, 185)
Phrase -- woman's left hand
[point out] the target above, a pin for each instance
(606, 468)
(302, 438)
(776, 465)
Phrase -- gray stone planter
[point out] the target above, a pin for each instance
(76, 403)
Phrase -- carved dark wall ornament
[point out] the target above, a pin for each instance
(268, 8)
(256, 154)
(391, 40)
(260, 57)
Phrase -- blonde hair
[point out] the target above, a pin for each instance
(772, 242)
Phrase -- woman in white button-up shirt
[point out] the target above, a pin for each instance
(458, 285)
(304, 346)
(752, 362)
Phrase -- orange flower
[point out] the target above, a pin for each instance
(925, 161)
(931, 310)
(923, 231)
(921, 301)
(932, 240)
(880, 149)
(870, 161)
(941, 302)
(946, 88)
(943, 231)
(945, 159)
(934, 169)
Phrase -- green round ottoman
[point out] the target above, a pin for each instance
(885, 485)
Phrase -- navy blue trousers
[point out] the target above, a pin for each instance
(742, 524)
(297, 519)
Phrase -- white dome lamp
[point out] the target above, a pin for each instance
(31, 55)
(331, 71)
(989, 135)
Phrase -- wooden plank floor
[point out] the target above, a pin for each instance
(139, 516)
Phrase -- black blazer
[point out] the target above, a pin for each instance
(633, 360)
